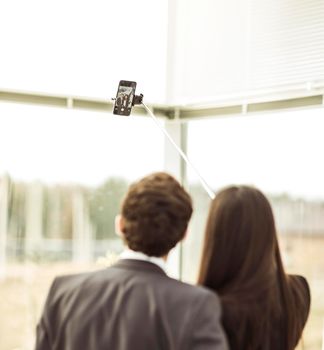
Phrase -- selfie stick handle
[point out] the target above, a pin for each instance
(183, 155)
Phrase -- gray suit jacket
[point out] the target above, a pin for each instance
(132, 305)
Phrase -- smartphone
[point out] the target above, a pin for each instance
(124, 98)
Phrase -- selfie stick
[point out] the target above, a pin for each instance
(183, 155)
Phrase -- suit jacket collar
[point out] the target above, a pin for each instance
(134, 255)
(139, 265)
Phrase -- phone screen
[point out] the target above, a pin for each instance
(125, 96)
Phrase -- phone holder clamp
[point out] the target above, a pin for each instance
(138, 99)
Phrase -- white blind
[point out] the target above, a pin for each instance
(285, 43)
(244, 47)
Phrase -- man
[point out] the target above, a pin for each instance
(134, 305)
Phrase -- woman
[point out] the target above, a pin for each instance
(263, 307)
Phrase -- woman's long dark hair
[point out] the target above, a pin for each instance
(262, 307)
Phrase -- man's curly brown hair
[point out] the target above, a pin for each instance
(155, 214)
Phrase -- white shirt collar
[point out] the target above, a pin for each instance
(131, 254)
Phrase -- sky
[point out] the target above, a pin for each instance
(60, 145)
(277, 152)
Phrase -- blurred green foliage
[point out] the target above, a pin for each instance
(104, 204)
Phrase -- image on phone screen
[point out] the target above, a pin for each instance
(125, 96)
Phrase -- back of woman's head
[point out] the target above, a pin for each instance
(240, 239)
(241, 261)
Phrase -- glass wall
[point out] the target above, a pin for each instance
(63, 174)
(280, 153)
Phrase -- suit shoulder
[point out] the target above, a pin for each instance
(195, 291)
(74, 277)
(69, 283)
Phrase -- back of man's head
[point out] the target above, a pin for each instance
(155, 214)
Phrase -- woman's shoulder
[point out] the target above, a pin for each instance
(300, 283)
(301, 291)
(299, 278)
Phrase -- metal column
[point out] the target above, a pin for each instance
(175, 165)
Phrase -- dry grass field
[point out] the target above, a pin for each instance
(23, 292)
(22, 296)
(305, 256)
